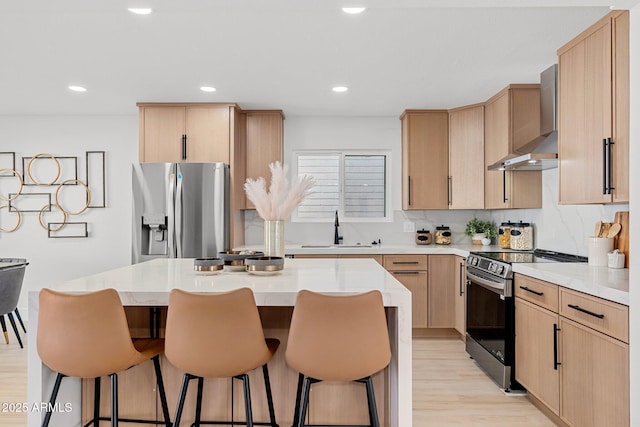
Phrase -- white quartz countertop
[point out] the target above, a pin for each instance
(149, 283)
(608, 283)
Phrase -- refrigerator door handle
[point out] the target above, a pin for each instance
(178, 212)
(171, 211)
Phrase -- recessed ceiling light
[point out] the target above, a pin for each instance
(340, 89)
(78, 88)
(140, 10)
(207, 89)
(353, 10)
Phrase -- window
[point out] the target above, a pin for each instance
(354, 184)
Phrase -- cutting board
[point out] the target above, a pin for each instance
(622, 243)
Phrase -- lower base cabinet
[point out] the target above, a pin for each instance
(460, 295)
(572, 353)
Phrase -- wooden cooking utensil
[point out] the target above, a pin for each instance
(614, 230)
(622, 218)
(605, 229)
(598, 229)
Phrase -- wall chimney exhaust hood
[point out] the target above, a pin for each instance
(542, 152)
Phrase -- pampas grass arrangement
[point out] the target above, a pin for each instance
(281, 200)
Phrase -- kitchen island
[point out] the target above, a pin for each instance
(149, 284)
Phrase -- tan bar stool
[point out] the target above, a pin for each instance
(87, 336)
(337, 338)
(218, 336)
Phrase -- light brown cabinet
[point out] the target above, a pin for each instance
(460, 295)
(264, 143)
(466, 157)
(572, 353)
(411, 271)
(594, 113)
(425, 159)
(442, 291)
(185, 132)
(512, 119)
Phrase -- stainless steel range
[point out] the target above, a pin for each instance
(491, 309)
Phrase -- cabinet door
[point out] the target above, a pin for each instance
(496, 147)
(416, 282)
(161, 131)
(442, 291)
(595, 377)
(620, 151)
(264, 143)
(207, 130)
(425, 159)
(466, 158)
(460, 292)
(535, 355)
(585, 119)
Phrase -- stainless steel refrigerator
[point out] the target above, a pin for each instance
(180, 210)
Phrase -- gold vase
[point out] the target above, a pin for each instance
(274, 238)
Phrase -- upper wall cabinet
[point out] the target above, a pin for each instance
(185, 132)
(466, 157)
(594, 113)
(264, 143)
(425, 159)
(512, 119)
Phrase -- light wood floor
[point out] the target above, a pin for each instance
(448, 389)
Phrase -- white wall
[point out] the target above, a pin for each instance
(634, 274)
(54, 261)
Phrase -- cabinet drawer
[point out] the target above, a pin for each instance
(405, 262)
(539, 292)
(605, 316)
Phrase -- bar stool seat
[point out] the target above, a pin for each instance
(218, 335)
(337, 338)
(87, 336)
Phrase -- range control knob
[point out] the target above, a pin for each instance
(492, 267)
(500, 269)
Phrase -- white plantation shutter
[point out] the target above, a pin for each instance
(355, 185)
(364, 186)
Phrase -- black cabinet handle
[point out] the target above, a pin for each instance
(184, 147)
(524, 288)
(405, 262)
(448, 190)
(590, 313)
(555, 347)
(406, 272)
(604, 166)
(409, 180)
(504, 186)
(610, 166)
(461, 274)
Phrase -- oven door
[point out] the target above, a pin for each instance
(490, 315)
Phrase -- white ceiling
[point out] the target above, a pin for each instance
(278, 54)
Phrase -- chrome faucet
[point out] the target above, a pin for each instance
(336, 237)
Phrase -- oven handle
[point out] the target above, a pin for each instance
(488, 284)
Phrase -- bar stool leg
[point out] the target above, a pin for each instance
(52, 399)
(163, 394)
(96, 402)
(304, 401)
(371, 400)
(199, 402)
(114, 400)
(15, 328)
(183, 394)
(267, 385)
(296, 411)
(3, 323)
(247, 399)
(20, 319)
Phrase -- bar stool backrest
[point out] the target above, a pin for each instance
(84, 335)
(215, 335)
(338, 337)
(10, 286)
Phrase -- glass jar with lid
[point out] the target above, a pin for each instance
(443, 235)
(504, 235)
(521, 238)
(423, 237)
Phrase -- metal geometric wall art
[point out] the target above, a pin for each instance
(22, 193)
